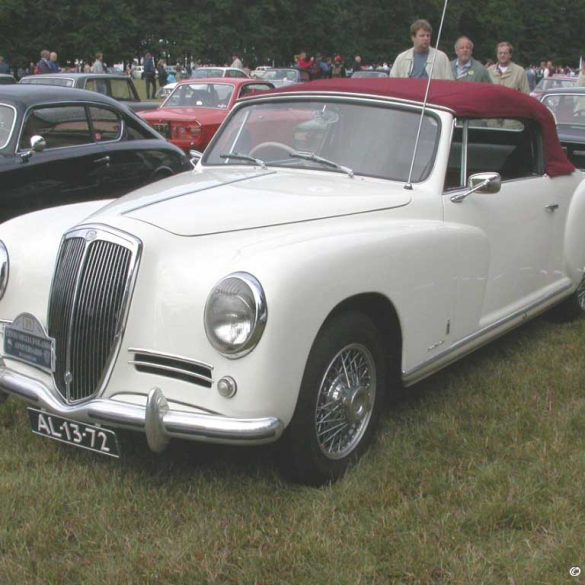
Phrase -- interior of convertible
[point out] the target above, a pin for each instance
(512, 148)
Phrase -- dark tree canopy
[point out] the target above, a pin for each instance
(266, 31)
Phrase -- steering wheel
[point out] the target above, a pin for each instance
(271, 151)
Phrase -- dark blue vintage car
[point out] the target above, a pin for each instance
(62, 145)
(567, 105)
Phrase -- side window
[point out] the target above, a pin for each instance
(60, 126)
(121, 90)
(134, 131)
(99, 85)
(512, 148)
(107, 125)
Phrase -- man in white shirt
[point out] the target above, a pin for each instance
(417, 62)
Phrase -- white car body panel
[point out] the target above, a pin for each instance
(456, 273)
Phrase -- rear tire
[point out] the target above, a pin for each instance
(339, 402)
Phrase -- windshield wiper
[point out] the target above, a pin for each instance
(324, 161)
(238, 156)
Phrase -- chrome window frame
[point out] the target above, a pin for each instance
(2, 147)
(86, 106)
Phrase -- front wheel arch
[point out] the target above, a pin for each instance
(342, 391)
(383, 314)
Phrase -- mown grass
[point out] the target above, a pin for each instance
(476, 478)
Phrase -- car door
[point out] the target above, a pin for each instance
(69, 169)
(131, 153)
(508, 265)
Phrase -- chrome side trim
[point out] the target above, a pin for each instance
(170, 356)
(154, 366)
(157, 420)
(476, 340)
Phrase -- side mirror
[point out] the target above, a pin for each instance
(38, 143)
(485, 183)
(480, 182)
(195, 156)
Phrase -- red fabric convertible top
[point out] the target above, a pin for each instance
(466, 100)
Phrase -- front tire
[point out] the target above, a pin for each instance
(573, 307)
(339, 402)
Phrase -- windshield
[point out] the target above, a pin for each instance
(200, 95)
(353, 138)
(204, 72)
(567, 109)
(288, 74)
(60, 81)
(552, 83)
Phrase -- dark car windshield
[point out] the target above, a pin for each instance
(367, 139)
(200, 95)
(7, 117)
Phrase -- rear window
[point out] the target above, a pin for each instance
(7, 120)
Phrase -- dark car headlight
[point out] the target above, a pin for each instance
(4, 268)
(235, 314)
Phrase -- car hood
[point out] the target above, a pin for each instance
(224, 200)
(210, 115)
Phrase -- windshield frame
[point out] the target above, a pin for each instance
(356, 99)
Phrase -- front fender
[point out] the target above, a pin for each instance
(574, 244)
(32, 241)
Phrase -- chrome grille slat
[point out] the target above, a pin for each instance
(62, 296)
(88, 304)
(152, 366)
(172, 366)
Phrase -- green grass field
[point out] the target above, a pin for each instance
(476, 479)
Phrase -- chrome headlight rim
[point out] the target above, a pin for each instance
(4, 268)
(259, 322)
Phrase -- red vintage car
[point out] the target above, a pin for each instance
(190, 116)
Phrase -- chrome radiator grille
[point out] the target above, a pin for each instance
(87, 308)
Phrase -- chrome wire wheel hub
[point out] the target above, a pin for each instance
(345, 401)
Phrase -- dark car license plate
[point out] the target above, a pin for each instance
(74, 433)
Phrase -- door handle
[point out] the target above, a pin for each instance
(103, 160)
(551, 207)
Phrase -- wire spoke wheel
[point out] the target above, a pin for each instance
(580, 292)
(345, 401)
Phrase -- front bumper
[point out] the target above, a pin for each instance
(157, 420)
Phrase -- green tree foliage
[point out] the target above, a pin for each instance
(267, 31)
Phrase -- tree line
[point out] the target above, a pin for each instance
(267, 31)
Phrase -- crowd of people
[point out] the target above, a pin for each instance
(420, 61)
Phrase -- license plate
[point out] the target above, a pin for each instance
(74, 433)
(25, 340)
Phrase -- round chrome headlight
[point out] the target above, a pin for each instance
(4, 268)
(235, 314)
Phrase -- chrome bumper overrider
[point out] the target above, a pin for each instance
(156, 419)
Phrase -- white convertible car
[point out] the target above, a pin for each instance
(336, 240)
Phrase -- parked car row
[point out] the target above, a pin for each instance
(337, 241)
(63, 145)
(118, 87)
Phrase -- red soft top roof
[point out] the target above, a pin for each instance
(467, 100)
